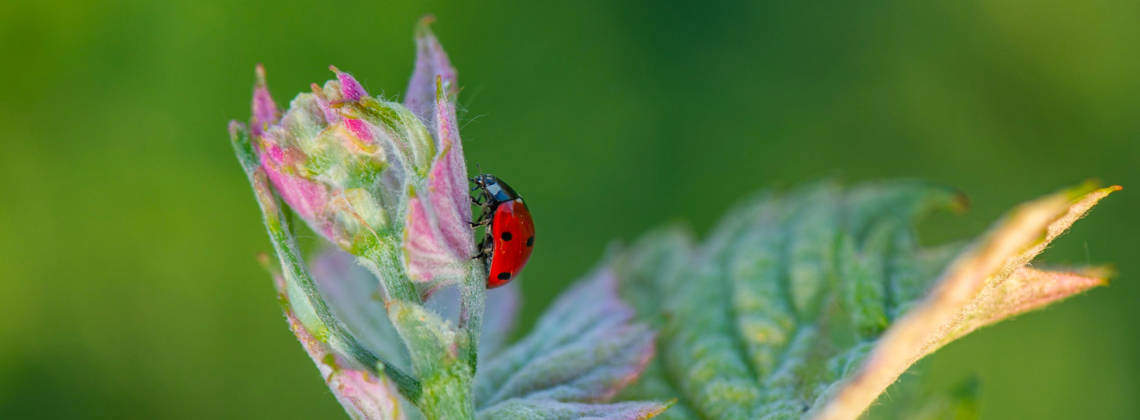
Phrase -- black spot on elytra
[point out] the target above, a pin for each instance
(504, 276)
(530, 241)
(506, 236)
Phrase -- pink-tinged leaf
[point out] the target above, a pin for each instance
(1028, 289)
(430, 259)
(439, 237)
(363, 392)
(584, 349)
(265, 111)
(984, 285)
(432, 64)
(557, 410)
(350, 89)
(448, 182)
(322, 102)
(369, 176)
(305, 197)
(363, 395)
(360, 130)
(298, 292)
(592, 369)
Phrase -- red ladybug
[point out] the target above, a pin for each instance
(510, 230)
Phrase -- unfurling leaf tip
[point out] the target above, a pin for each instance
(243, 148)
(423, 27)
(259, 74)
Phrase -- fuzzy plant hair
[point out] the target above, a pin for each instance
(803, 303)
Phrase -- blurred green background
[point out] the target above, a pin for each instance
(128, 285)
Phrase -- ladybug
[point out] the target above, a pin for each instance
(509, 237)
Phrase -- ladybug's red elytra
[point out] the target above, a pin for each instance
(509, 237)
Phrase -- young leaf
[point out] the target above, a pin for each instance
(353, 296)
(557, 410)
(810, 303)
(388, 185)
(580, 354)
(984, 285)
(364, 394)
(304, 301)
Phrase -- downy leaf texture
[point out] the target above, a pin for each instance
(583, 350)
(800, 304)
(809, 303)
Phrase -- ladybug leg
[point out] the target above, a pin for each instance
(481, 200)
(485, 248)
(485, 214)
(484, 219)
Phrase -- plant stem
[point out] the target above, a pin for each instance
(443, 359)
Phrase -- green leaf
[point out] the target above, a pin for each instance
(443, 371)
(353, 295)
(810, 303)
(557, 410)
(581, 353)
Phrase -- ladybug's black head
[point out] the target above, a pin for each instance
(483, 180)
(494, 188)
